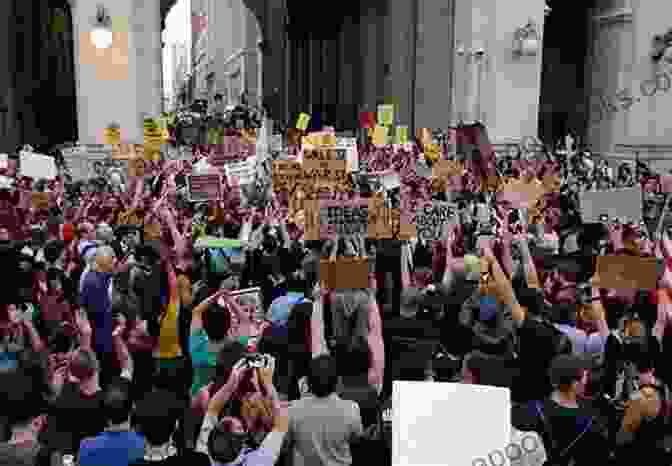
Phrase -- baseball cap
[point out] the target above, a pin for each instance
(280, 308)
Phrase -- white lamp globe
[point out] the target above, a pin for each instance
(101, 37)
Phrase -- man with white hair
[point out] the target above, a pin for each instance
(96, 300)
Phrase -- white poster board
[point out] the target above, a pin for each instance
(615, 203)
(241, 172)
(432, 217)
(37, 166)
(84, 161)
(438, 424)
(349, 145)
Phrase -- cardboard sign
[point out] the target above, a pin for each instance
(152, 231)
(424, 414)
(302, 122)
(432, 217)
(385, 114)
(285, 175)
(204, 188)
(136, 167)
(112, 136)
(386, 223)
(40, 201)
(380, 135)
(129, 217)
(344, 273)
(622, 272)
(344, 218)
(615, 203)
(367, 119)
(319, 139)
(346, 148)
(37, 166)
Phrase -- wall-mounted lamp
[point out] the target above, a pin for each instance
(526, 40)
(662, 47)
(101, 35)
(547, 10)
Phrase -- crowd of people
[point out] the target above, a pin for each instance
(137, 328)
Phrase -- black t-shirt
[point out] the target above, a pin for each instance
(74, 417)
(536, 349)
(190, 458)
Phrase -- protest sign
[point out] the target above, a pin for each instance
(40, 201)
(136, 167)
(623, 203)
(4, 161)
(521, 194)
(424, 414)
(380, 135)
(302, 121)
(241, 173)
(367, 119)
(344, 273)
(285, 175)
(37, 166)
(344, 217)
(387, 223)
(432, 217)
(204, 188)
(346, 148)
(622, 272)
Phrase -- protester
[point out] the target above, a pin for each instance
(190, 300)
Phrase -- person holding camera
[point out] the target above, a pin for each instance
(229, 441)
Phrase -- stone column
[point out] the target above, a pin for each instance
(498, 88)
(121, 83)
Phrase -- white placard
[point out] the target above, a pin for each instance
(615, 203)
(243, 172)
(351, 154)
(37, 166)
(476, 419)
(391, 180)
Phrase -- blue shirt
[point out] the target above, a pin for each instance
(95, 298)
(112, 449)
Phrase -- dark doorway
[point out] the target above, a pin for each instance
(562, 102)
(43, 73)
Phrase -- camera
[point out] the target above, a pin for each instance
(256, 361)
(584, 293)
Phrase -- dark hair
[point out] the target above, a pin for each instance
(117, 402)
(216, 322)
(53, 250)
(20, 399)
(174, 379)
(156, 415)
(355, 359)
(323, 376)
(228, 356)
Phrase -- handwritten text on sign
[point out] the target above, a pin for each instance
(344, 218)
(204, 188)
(431, 218)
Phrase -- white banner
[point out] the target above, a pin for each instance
(425, 414)
(37, 166)
(623, 203)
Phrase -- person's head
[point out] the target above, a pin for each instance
(229, 354)
(117, 403)
(54, 251)
(411, 299)
(24, 404)
(569, 374)
(219, 98)
(323, 376)
(105, 259)
(230, 280)
(532, 300)
(227, 439)
(249, 306)
(216, 323)
(10, 312)
(633, 237)
(156, 416)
